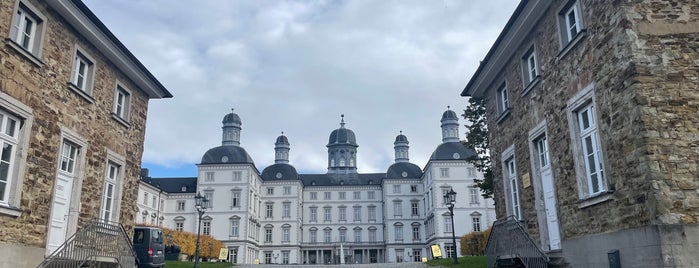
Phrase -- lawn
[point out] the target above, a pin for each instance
(466, 261)
(186, 264)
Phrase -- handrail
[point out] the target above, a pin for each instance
(509, 240)
(97, 241)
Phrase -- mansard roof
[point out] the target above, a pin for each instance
(342, 179)
(173, 185)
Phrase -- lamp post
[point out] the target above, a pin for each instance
(450, 200)
(201, 204)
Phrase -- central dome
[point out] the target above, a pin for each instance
(342, 135)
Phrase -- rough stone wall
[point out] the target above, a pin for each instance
(54, 105)
(665, 40)
(602, 57)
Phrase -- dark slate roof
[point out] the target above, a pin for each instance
(226, 154)
(282, 140)
(449, 114)
(401, 138)
(232, 118)
(396, 170)
(342, 136)
(173, 185)
(452, 151)
(285, 171)
(341, 179)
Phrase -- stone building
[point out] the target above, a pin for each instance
(73, 105)
(593, 111)
(342, 216)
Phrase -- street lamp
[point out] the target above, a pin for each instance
(201, 203)
(450, 200)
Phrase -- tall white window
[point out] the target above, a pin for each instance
(83, 71)
(570, 21)
(180, 205)
(237, 176)
(326, 195)
(416, 232)
(285, 257)
(206, 227)
(235, 227)
(27, 28)
(357, 235)
(314, 214)
(476, 224)
(444, 172)
(314, 195)
(398, 229)
(69, 154)
(328, 215)
(591, 150)
(343, 235)
(341, 196)
(286, 234)
(313, 237)
(268, 235)
(414, 209)
(287, 210)
(372, 213)
(9, 139)
(397, 208)
(474, 195)
(370, 195)
(235, 199)
(530, 66)
(357, 213)
(512, 186)
(503, 99)
(109, 195)
(396, 189)
(122, 102)
(287, 190)
(372, 235)
(447, 224)
(327, 234)
(342, 213)
(209, 176)
(269, 212)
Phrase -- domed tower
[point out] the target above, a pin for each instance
(342, 150)
(401, 147)
(450, 126)
(281, 150)
(231, 129)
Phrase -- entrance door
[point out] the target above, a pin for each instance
(549, 194)
(357, 256)
(59, 212)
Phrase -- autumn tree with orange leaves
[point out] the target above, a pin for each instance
(188, 241)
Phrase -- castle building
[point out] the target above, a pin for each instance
(73, 108)
(342, 216)
(592, 113)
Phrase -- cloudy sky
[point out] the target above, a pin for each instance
(295, 66)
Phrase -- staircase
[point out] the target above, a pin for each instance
(509, 245)
(97, 245)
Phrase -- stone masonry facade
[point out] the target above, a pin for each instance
(641, 58)
(41, 83)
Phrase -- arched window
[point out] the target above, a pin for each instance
(351, 162)
(342, 161)
(332, 162)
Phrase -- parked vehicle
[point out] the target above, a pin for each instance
(149, 247)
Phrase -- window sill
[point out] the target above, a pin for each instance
(10, 211)
(31, 57)
(80, 92)
(596, 199)
(581, 35)
(503, 115)
(121, 120)
(531, 85)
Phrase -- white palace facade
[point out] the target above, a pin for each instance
(342, 216)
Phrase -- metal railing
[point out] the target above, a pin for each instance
(510, 241)
(98, 243)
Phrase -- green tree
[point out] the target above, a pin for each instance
(477, 138)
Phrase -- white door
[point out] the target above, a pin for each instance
(59, 212)
(551, 213)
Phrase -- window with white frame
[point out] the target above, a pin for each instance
(570, 22)
(341, 196)
(181, 205)
(342, 213)
(444, 172)
(503, 99)
(286, 212)
(268, 234)
(372, 213)
(399, 255)
(110, 194)
(357, 213)
(447, 224)
(372, 234)
(398, 231)
(179, 226)
(235, 227)
(285, 256)
(397, 208)
(235, 198)
(122, 103)
(9, 140)
(416, 232)
(69, 153)
(314, 196)
(314, 214)
(413, 188)
(474, 195)
(357, 195)
(313, 237)
(476, 224)
(396, 189)
(210, 197)
(286, 233)
(327, 235)
(83, 72)
(414, 208)
(27, 28)
(357, 235)
(269, 212)
(511, 186)
(206, 227)
(449, 248)
(208, 176)
(270, 190)
(287, 190)
(326, 195)
(145, 198)
(154, 201)
(343, 234)
(530, 66)
(371, 195)
(237, 175)
(589, 150)
(327, 214)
